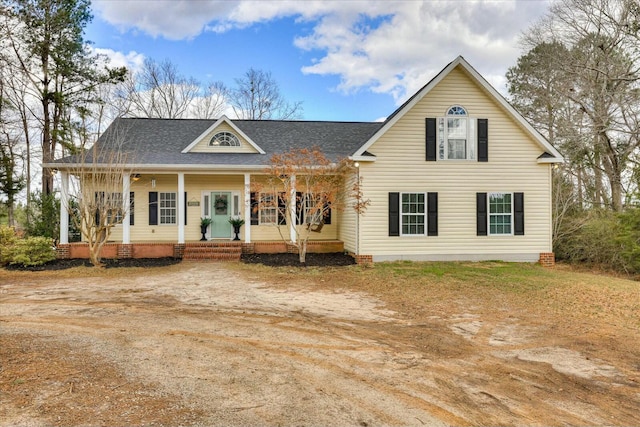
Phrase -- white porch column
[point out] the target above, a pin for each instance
(247, 208)
(126, 227)
(292, 210)
(64, 204)
(180, 216)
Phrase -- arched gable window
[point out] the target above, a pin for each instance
(224, 139)
(456, 134)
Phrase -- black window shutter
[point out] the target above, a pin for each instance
(518, 213)
(394, 214)
(430, 129)
(153, 208)
(255, 218)
(432, 214)
(481, 214)
(99, 197)
(282, 207)
(327, 213)
(185, 208)
(483, 140)
(131, 207)
(299, 208)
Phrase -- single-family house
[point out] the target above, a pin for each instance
(455, 173)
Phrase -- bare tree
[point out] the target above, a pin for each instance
(160, 91)
(601, 78)
(211, 103)
(302, 187)
(257, 97)
(98, 203)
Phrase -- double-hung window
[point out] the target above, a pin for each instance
(500, 214)
(456, 135)
(168, 208)
(413, 213)
(268, 209)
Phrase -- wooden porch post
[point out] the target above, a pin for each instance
(180, 216)
(64, 205)
(247, 208)
(126, 230)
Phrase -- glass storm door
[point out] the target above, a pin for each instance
(220, 213)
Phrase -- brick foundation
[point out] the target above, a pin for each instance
(63, 251)
(547, 259)
(178, 250)
(248, 248)
(365, 260)
(125, 251)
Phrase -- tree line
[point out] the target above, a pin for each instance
(57, 94)
(579, 84)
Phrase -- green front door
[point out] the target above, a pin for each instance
(220, 213)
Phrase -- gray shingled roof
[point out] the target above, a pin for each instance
(161, 141)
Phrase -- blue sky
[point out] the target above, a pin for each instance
(345, 60)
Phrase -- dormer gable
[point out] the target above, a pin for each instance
(223, 137)
(431, 125)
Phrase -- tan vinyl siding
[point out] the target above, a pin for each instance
(203, 145)
(512, 167)
(196, 186)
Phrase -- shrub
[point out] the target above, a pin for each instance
(604, 238)
(7, 240)
(30, 251)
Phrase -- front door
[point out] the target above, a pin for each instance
(220, 214)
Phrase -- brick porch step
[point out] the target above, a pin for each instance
(212, 251)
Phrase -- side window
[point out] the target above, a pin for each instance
(456, 135)
(268, 211)
(168, 208)
(500, 213)
(413, 213)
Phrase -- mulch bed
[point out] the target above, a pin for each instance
(62, 264)
(336, 259)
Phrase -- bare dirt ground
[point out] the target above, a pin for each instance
(209, 344)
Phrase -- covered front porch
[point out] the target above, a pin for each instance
(163, 214)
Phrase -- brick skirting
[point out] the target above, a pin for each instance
(547, 259)
(365, 260)
(63, 251)
(168, 249)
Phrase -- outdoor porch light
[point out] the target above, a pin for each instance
(153, 183)
(136, 177)
(54, 171)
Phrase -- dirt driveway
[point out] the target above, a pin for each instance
(202, 344)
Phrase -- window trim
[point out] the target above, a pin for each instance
(262, 208)
(174, 208)
(471, 140)
(224, 136)
(511, 214)
(402, 214)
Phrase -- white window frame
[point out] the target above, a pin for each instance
(224, 139)
(263, 209)
(167, 212)
(423, 213)
(490, 214)
(470, 137)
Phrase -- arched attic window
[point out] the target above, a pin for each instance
(224, 139)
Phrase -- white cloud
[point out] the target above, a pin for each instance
(391, 47)
(132, 61)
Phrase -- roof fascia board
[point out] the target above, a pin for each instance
(223, 119)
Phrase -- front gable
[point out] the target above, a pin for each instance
(458, 84)
(223, 137)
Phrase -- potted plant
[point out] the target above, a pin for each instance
(237, 222)
(204, 224)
